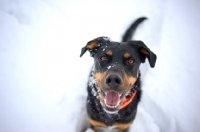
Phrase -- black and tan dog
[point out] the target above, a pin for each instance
(114, 83)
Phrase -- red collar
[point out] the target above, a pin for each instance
(128, 100)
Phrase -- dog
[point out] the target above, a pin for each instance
(114, 86)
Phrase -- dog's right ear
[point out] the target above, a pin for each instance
(93, 45)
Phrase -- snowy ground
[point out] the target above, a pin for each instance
(43, 80)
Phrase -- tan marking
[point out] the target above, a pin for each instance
(129, 81)
(109, 53)
(101, 98)
(99, 77)
(122, 126)
(96, 123)
(126, 55)
(144, 51)
(92, 45)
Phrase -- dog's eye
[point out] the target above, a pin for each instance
(130, 61)
(103, 58)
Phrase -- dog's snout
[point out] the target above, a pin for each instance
(113, 80)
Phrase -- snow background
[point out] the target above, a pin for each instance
(43, 79)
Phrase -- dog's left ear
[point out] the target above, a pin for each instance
(94, 44)
(145, 52)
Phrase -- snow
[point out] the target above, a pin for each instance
(106, 38)
(43, 80)
(108, 67)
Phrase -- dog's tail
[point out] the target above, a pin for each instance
(130, 31)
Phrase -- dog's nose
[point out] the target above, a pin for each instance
(113, 80)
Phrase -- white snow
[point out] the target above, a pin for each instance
(109, 67)
(106, 38)
(43, 79)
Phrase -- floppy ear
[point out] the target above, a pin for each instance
(94, 44)
(145, 52)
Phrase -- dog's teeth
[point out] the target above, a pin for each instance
(115, 106)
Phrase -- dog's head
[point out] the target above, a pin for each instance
(116, 68)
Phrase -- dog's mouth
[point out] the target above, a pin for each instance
(114, 94)
(111, 101)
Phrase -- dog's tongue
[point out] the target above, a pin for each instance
(112, 98)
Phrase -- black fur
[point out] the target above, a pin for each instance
(130, 32)
(116, 64)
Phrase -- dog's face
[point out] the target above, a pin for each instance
(116, 68)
